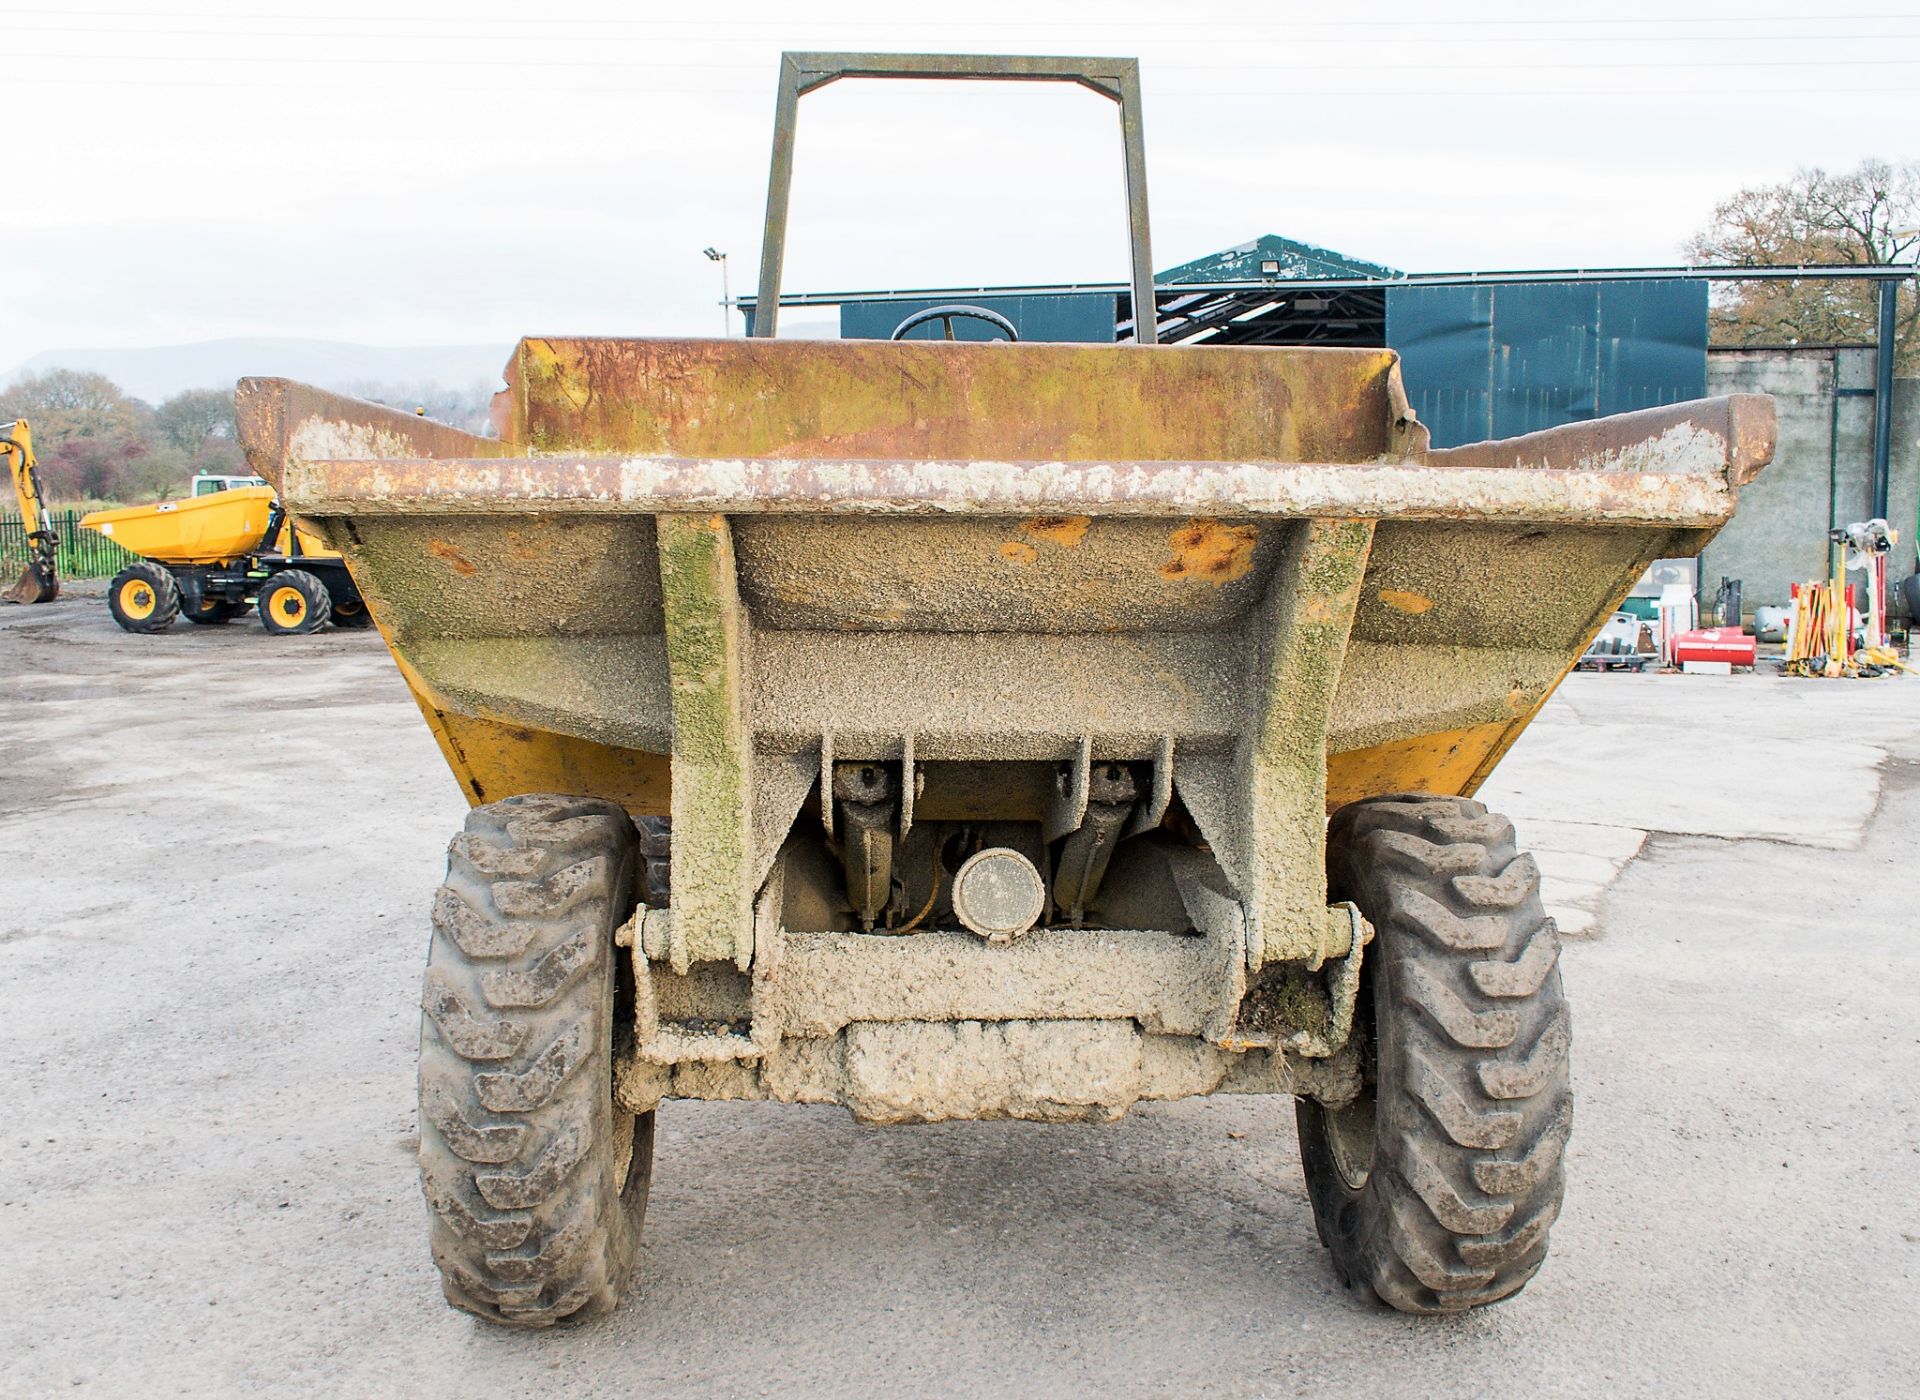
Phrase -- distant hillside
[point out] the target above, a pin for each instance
(157, 372)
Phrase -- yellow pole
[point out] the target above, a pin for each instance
(1837, 628)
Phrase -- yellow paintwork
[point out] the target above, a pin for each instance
(1454, 761)
(287, 604)
(291, 539)
(137, 600)
(20, 463)
(493, 759)
(1444, 762)
(211, 529)
(199, 530)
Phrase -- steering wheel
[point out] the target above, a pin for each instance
(946, 314)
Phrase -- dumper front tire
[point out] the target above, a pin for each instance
(536, 1178)
(293, 602)
(1436, 1188)
(143, 597)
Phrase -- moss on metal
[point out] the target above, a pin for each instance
(1282, 760)
(712, 818)
(767, 398)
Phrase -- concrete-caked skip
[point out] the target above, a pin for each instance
(963, 730)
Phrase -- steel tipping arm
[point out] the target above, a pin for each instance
(801, 73)
(1263, 806)
(706, 639)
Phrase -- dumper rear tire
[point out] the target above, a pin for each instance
(536, 1178)
(350, 613)
(1435, 1189)
(143, 597)
(213, 612)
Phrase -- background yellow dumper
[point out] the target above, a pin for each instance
(208, 557)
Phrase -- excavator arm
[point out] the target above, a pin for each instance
(39, 581)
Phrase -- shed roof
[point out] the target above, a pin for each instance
(1242, 263)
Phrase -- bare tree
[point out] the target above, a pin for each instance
(1865, 215)
(95, 443)
(71, 403)
(192, 416)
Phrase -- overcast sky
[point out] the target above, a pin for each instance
(429, 172)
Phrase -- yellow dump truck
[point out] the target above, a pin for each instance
(987, 730)
(209, 557)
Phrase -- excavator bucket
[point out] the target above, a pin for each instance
(37, 584)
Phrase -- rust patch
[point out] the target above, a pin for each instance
(1210, 551)
(932, 401)
(1018, 552)
(1405, 601)
(440, 549)
(1064, 530)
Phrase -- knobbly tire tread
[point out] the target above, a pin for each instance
(656, 848)
(319, 603)
(520, 1138)
(1470, 1034)
(166, 594)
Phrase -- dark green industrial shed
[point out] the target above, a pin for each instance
(1491, 359)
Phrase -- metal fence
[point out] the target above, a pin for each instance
(83, 554)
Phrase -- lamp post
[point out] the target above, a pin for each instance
(726, 296)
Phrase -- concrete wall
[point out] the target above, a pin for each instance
(1778, 536)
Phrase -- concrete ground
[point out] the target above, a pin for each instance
(216, 849)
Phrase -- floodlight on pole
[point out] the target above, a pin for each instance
(726, 295)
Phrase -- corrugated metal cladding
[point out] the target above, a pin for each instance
(1077, 317)
(1490, 360)
(1494, 361)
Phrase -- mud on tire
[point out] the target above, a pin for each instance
(1436, 1189)
(536, 1179)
